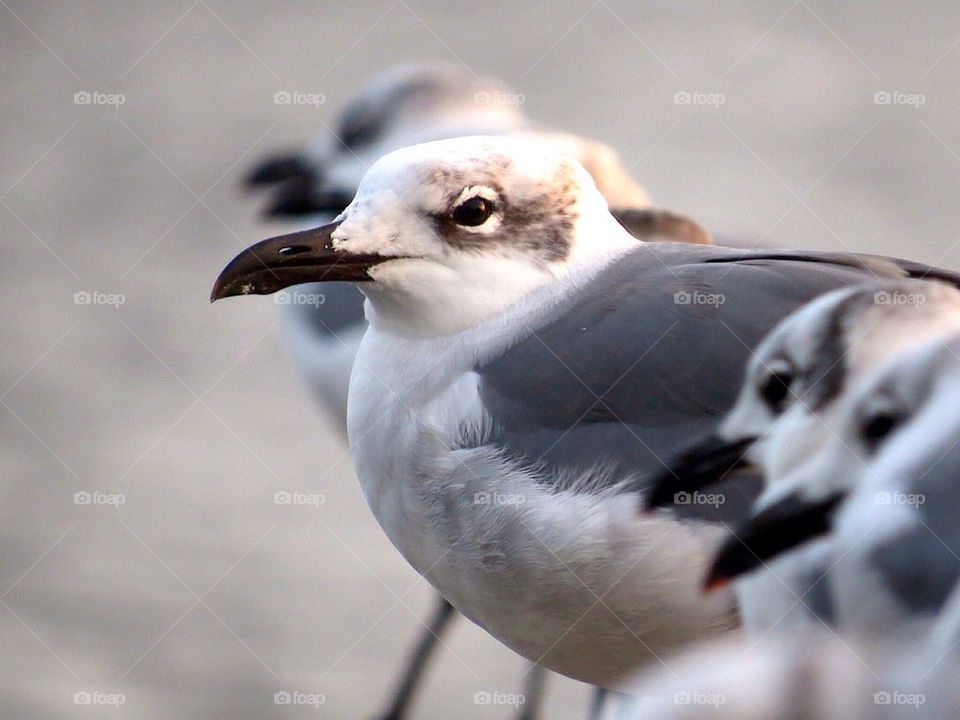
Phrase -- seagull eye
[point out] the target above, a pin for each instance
(473, 211)
(877, 427)
(775, 389)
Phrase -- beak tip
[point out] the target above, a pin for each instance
(714, 582)
(217, 291)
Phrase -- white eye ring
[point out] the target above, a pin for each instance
(484, 191)
(488, 194)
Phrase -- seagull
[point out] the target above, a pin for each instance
(794, 384)
(526, 365)
(323, 324)
(881, 493)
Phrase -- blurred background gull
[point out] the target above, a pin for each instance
(181, 531)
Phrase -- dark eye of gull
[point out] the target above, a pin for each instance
(877, 427)
(473, 211)
(775, 389)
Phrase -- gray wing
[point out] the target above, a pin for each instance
(649, 357)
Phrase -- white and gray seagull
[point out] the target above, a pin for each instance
(795, 384)
(881, 495)
(313, 184)
(527, 364)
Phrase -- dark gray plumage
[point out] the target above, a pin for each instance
(673, 325)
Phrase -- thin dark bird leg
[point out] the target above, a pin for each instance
(597, 701)
(533, 684)
(442, 615)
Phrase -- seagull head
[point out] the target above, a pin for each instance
(804, 368)
(443, 235)
(800, 371)
(889, 435)
(405, 105)
(413, 104)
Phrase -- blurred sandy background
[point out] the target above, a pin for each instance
(199, 597)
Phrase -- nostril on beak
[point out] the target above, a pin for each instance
(294, 249)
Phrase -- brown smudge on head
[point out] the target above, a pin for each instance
(540, 225)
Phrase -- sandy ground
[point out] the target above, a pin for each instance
(199, 597)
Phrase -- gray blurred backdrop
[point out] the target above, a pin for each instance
(199, 597)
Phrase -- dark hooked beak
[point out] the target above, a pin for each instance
(300, 257)
(703, 464)
(783, 526)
